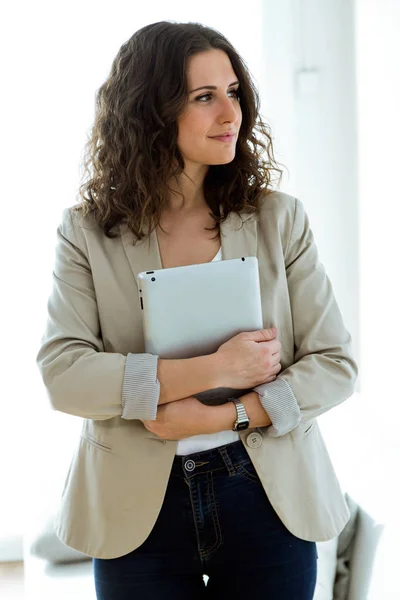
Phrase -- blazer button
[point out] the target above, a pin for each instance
(254, 440)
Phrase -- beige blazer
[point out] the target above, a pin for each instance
(116, 483)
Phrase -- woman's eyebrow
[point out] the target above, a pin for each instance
(211, 87)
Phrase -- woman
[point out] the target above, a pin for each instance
(163, 489)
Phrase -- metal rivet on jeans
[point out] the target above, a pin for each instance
(190, 465)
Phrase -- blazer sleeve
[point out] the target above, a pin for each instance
(324, 371)
(80, 377)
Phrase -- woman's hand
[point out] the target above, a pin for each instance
(181, 419)
(249, 359)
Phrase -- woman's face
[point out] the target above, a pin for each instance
(213, 109)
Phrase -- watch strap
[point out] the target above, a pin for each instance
(242, 420)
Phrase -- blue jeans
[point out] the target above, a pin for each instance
(216, 520)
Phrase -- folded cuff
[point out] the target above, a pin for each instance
(281, 405)
(140, 388)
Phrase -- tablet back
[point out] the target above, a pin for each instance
(190, 311)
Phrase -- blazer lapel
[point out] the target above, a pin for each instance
(236, 241)
(144, 255)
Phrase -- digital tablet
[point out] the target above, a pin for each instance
(190, 311)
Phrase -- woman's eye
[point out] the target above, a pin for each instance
(203, 98)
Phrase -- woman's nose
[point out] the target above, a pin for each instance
(228, 111)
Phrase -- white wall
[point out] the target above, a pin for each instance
(378, 60)
(378, 125)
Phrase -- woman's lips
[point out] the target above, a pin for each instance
(224, 138)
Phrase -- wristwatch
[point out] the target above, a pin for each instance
(242, 421)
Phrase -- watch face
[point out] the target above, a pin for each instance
(243, 425)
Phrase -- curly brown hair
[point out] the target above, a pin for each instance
(132, 152)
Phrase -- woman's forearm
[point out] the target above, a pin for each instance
(181, 378)
(188, 417)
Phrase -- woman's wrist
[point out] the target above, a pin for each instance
(223, 417)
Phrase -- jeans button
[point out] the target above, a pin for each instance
(254, 440)
(190, 465)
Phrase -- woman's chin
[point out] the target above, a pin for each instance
(222, 162)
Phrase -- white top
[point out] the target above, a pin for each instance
(198, 443)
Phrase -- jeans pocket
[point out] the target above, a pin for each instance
(248, 471)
